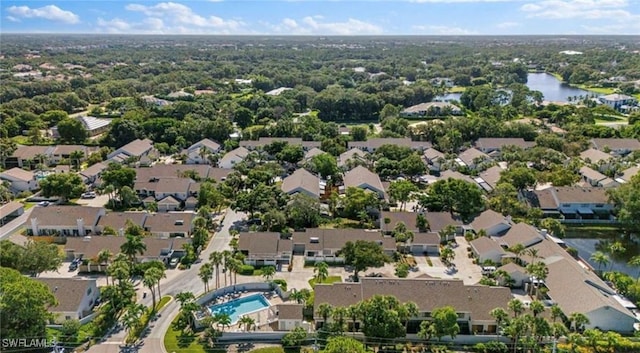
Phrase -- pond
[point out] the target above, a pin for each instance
(600, 241)
(552, 89)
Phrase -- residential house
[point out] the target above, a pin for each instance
(433, 159)
(617, 147)
(595, 156)
(20, 179)
(352, 154)
(76, 297)
(180, 95)
(431, 109)
(517, 273)
(265, 248)
(156, 101)
(9, 211)
(90, 246)
(521, 233)
(492, 222)
(161, 188)
(198, 152)
(596, 179)
(575, 288)
(496, 144)
(264, 141)
(389, 220)
(29, 156)
(289, 316)
(118, 221)
(425, 244)
(63, 152)
(176, 171)
(573, 203)
(452, 174)
(92, 125)
(166, 204)
(363, 178)
(472, 158)
(372, 144)
(485, 248)
(323, 244)
(312, 153)
(134, 149)
(231, 158)
(489, 178)
(278, 91)
(93, 173)
(64, 220)
(179, 224)
(302, 182)
(620, 102)
(473, 303)
(440, 220)
(627, 174)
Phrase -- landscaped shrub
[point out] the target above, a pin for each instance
(573, 252)
(246, 270)
(282, 283)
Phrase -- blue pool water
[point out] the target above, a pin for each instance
(241, 306)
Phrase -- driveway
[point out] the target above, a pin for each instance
(98, 201)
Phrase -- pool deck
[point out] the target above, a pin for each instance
(264, 318)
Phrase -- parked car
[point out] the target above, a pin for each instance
(89, 195)
(44, 203)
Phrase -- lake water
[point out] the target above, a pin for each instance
(587, 246)
(552, 89)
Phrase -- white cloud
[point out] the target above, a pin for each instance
(583, 9)
(311, 25)
(49, 12)
(443, 30)
(461, 1)
(505, 25)
(181, 18)
(12, 19)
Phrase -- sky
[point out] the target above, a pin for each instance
(323, 17)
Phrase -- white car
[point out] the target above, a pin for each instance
(89, 195)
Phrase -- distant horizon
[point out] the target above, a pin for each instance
(312, 35)
(323, 18)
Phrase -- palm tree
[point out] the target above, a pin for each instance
(500, 315)
(354, 312)
(268, 272)
(536, 307)
(247, 322)
(226, 256)
(321, 271)
(409, 310)
(533, 253)
(133, 246)
(297, 295)
(223, 319)
(234, 268)
(104, 256)
(325, 310)
(578, 320)
(516, 306)
(120, 270)
(556, 312)
(447, 255)
(76, 156)
(150, 279)
(600, 258)
(133, 315)
(216, 260)
(206, 273)
(635, 262)
(518, 249)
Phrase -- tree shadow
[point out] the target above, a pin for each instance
(184, 340)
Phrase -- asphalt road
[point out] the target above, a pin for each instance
(188, 280)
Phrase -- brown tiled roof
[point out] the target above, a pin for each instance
(345, 156)
(428, 294)
(313, 152)
(64, 215)
(456, 175)
(301, 178)
(361, 175)
(374, 143)
(627, 174)
(90, 247)
(137, 147)
(595, 156)
(118, 220)
(500, 142)
(521, 233)
(65, 150)
(9, 208)
(592, 174)
(164, 171)
(218, 174)
(484, 245)
(166, 222)
(576, 194)
(240, 152)
(263, 243)
(616, 144)
(29, 152)
(439, 220)
(408, 218)
(487, 219)
(337, 238)
(17, 174)
(173, 185)
(492, 175)
(429, 238)
(212, 145)
(290, 311)
(511, 268)
(68, 291)
(469, 156)
(433, 154)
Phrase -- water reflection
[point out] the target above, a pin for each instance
(618, 261)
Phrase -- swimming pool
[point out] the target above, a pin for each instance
(241, 306)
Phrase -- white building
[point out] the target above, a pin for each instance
(20, 179)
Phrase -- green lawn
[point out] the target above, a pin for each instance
(600, 90)
(163, 302)
(28, 205)
(175, 342)
(457, 89)
(268, 350)
(328, 280)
